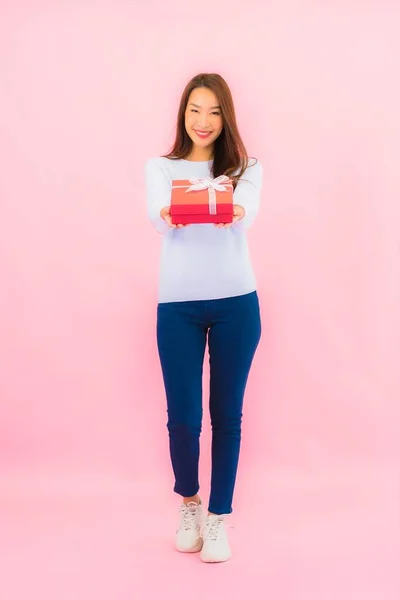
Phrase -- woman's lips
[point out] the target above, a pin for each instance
(203, 134)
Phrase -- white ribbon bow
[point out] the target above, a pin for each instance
(212, 185)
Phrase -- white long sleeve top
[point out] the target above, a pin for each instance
(201, 261)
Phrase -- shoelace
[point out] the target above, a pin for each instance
(189, 515)
(211, 529)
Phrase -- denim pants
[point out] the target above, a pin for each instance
(233, 328)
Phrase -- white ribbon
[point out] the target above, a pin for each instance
(212, 185)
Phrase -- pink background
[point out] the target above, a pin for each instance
(89, 91)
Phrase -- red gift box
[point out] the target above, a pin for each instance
(202, 200)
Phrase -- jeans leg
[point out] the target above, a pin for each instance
(233, 340)
(181, 339)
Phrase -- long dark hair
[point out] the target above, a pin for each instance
(230, 155)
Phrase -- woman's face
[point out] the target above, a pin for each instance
(203, 117)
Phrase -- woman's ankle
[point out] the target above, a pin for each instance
(196, 499)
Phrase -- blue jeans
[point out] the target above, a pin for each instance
(233, 328)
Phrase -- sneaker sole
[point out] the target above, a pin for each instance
(192, 550)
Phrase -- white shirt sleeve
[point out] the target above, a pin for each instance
(158, 193)
(247, 194)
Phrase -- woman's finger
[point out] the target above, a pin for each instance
(168, 220)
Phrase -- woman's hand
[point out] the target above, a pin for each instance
(238, 213)
(165, 213)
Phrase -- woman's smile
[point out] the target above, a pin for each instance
(203, 134)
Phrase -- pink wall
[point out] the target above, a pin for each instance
(88, 92)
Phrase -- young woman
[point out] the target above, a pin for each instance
(207, 291)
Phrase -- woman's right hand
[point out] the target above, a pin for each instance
(165, 213)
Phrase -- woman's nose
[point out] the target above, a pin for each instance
(203, 120)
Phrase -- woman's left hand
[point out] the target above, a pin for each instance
(238, 213)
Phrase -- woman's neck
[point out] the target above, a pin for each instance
(200, 154)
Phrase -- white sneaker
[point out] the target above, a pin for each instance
(215, 540)
(188, 538)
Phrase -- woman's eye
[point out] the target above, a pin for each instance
(216, 114)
